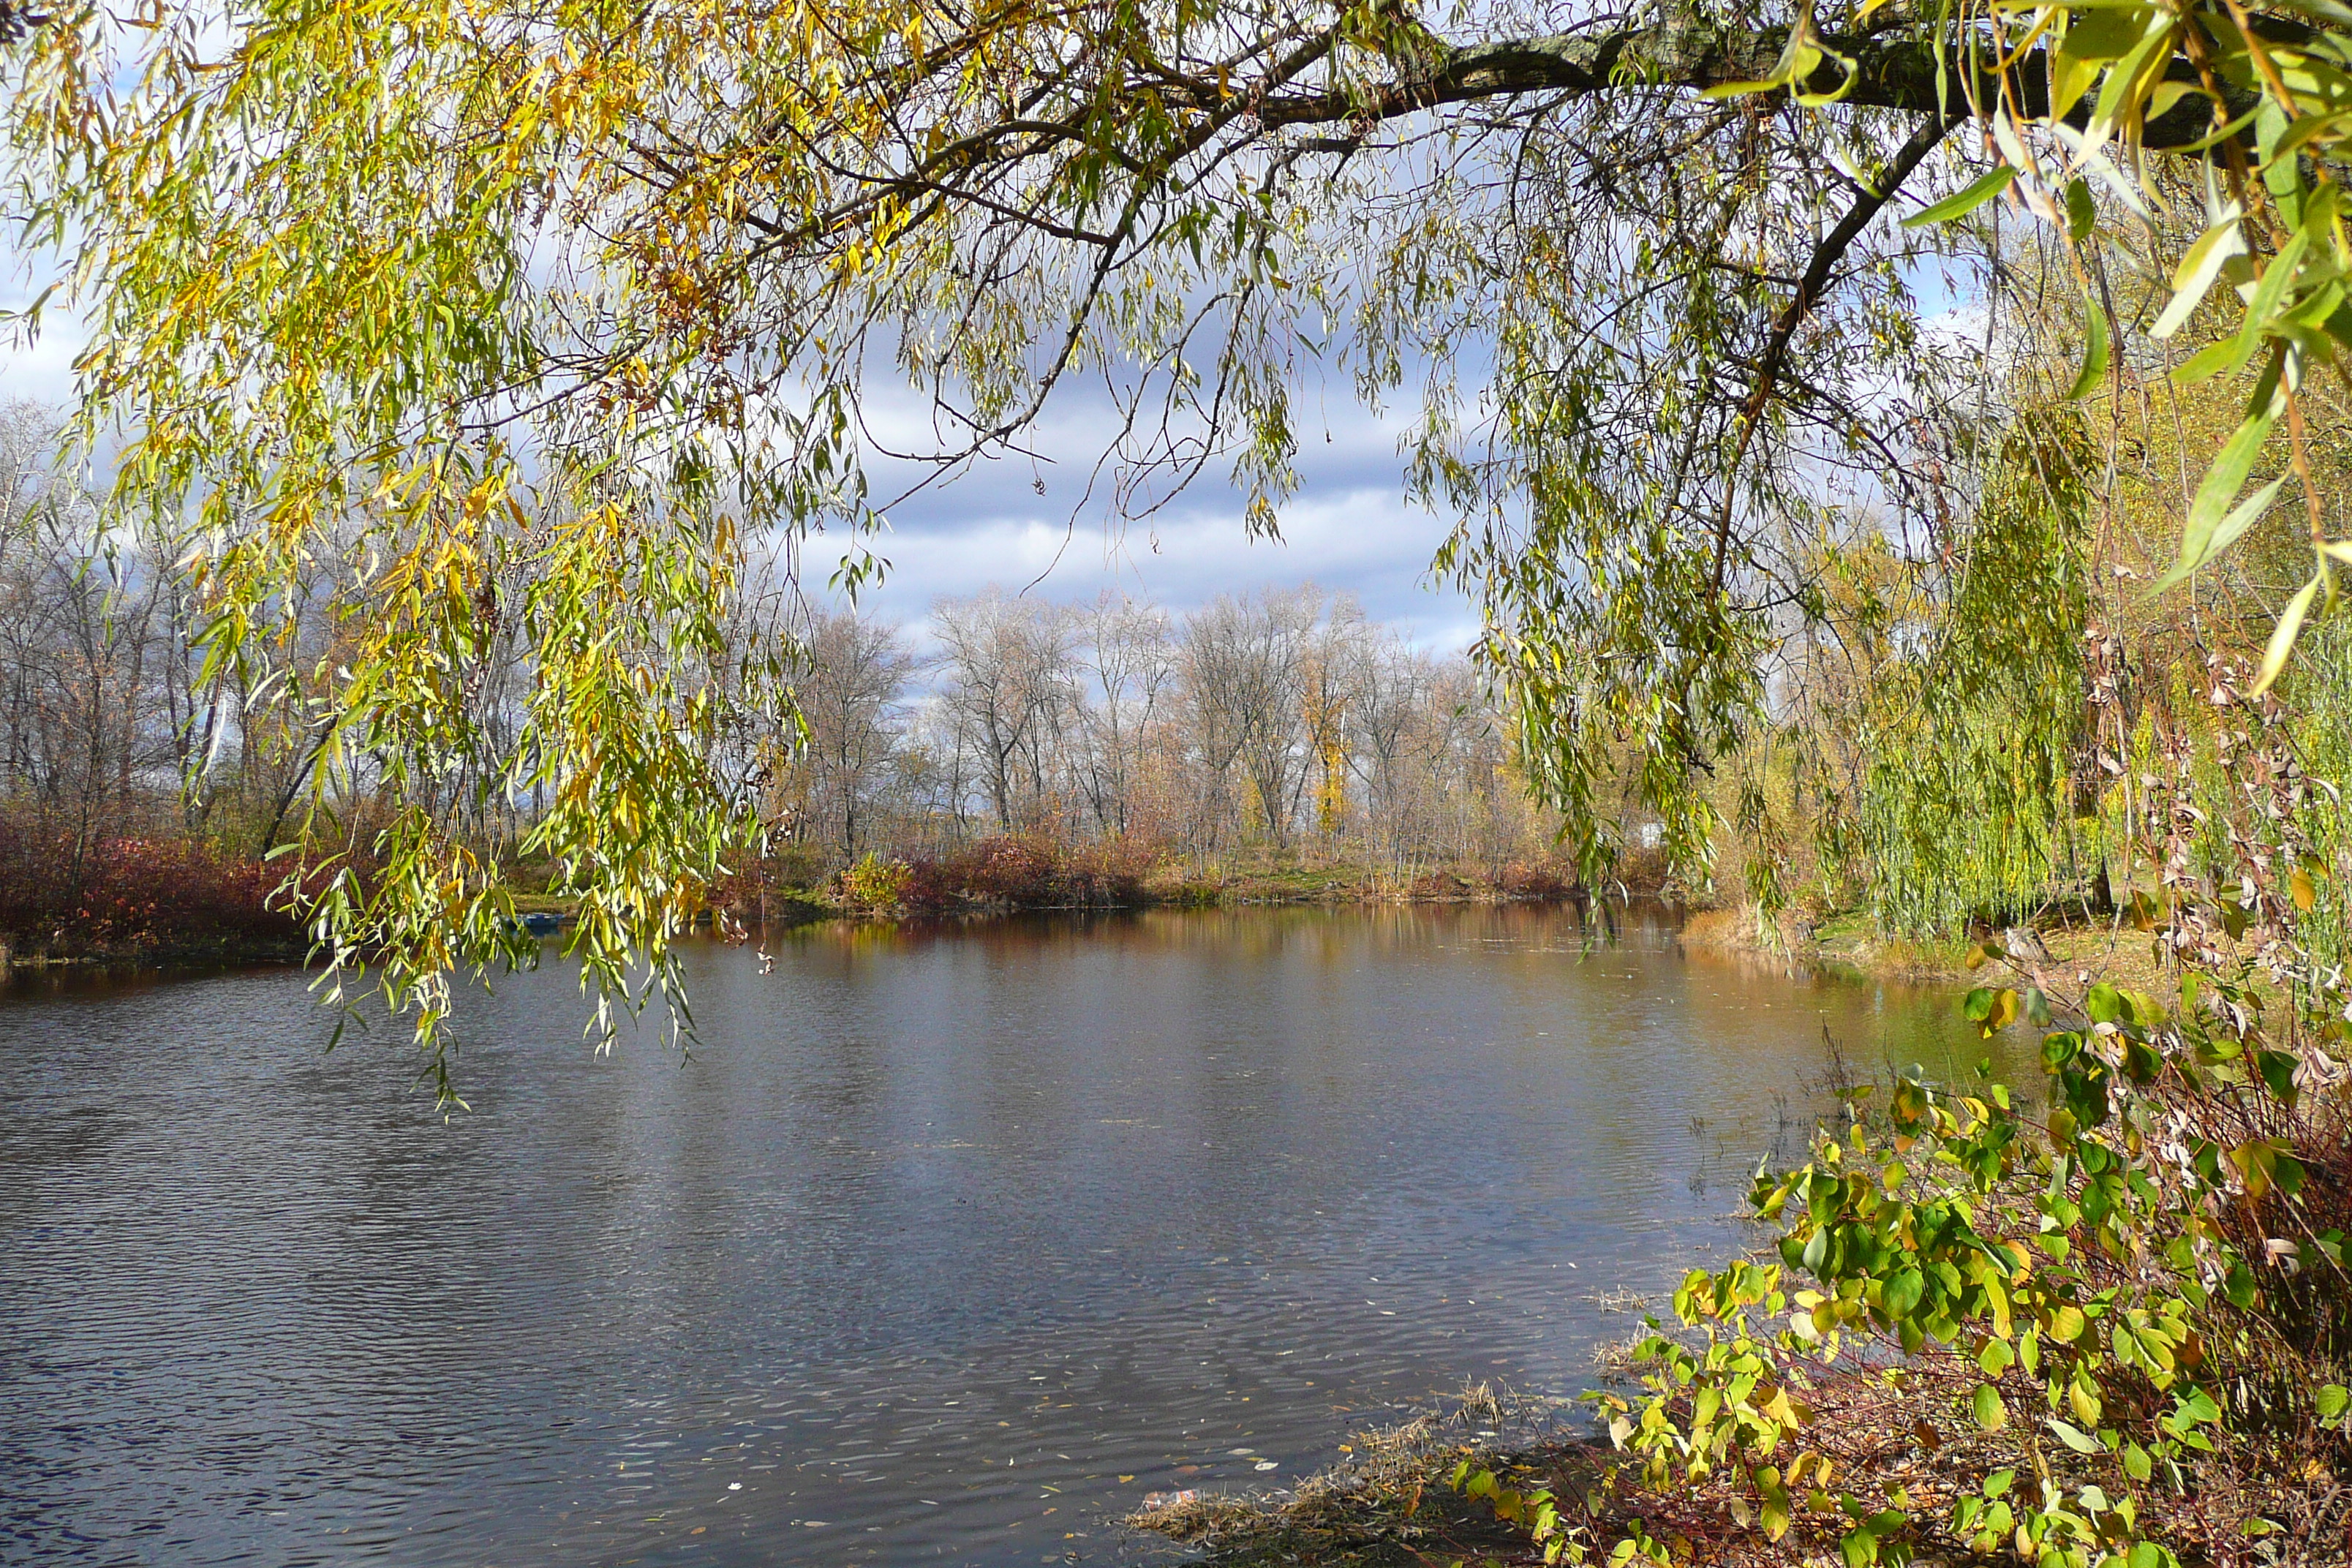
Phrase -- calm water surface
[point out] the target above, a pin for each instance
(946, 1245)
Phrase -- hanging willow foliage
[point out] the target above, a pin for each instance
(532, 316)
(1973, 732)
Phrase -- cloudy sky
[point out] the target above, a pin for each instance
(1015, 521)
(1009, 523)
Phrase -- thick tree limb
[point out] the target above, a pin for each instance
(18, 19)
(1892, 70)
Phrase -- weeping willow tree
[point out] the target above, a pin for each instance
(1972, 734)
(540, 315)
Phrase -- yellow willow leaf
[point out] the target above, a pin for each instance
(2282, 635)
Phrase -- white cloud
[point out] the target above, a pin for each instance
(1361, 540)
(1009, 521)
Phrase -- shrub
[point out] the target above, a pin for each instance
(1548, 880)
(1029, 871)
(2107, 1333)
(2109, 1329)
(875, 883)
(132, 897)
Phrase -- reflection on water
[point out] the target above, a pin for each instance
(946, 1245)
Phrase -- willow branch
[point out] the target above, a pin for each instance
(1826, 256)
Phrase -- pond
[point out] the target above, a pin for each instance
(945, 1244)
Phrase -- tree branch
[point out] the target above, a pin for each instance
(1892, 70)
(1826, 256)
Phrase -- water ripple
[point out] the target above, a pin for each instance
(943, 1245)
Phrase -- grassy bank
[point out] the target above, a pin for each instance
(2077, 948)
(1013, 874)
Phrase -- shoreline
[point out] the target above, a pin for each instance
(1171, 888)
(789, 908)
(227, 953)
(1846, 944)
(1843, 945)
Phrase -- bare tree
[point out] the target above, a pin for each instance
(855, 671)
(1010, 689)
(88, 733)
(1395, 687)
(1245, 662)
(1330, 682)
(1129, 664)
(1257, 716)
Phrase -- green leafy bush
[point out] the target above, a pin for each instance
(875, 883)
(2102, 1326)
(2101, 1331)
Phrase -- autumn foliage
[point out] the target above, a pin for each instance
(125, 897)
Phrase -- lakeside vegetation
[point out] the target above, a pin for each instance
(1975, 631)
(1279, 746)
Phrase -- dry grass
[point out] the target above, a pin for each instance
(1391, 1501)
(1728, 928)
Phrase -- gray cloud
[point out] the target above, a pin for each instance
(1012, 520)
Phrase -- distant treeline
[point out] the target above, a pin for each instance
(102, 713)
(1034, 751)
(1279, 722)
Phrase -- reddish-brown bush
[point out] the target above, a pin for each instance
(129, 897)
(1026, 871)
(1542, 879)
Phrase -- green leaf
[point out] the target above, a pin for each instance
(2239, 1285)
(2334, 1400)
(2277, 278)
(2095, 351)
(2308, 129)
(2221, 486)
(2228, 132)
(2201, 263)
(2225, 534)
(2282, 635)
(2104, 33)
(2277, 1068)
(2281, 176)
(2082, 212)
(1965, 200)
(2124, 77)
(2205, 363)
(2319, 10)
(2074, 1438)
(1991, 1413)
